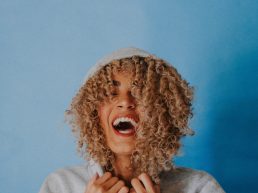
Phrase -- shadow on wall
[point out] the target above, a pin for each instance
(235, 122)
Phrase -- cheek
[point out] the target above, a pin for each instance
(104, 112)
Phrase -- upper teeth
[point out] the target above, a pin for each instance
(124, 119)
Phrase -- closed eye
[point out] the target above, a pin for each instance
(114, 94)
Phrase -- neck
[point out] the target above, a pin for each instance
(122, 168)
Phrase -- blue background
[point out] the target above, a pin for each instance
(46, 47)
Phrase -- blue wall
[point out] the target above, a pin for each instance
(46, 47)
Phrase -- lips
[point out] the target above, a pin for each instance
(129, 134)
(125, 125)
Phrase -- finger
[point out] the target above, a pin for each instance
(146, 180)
(157, 188)
(117, 186)
(132, 190)
(137, 185)
(124, 190)
(92, 180)
(109, 183)
(103, 178)
(94, 177)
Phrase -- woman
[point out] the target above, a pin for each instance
(129, 117)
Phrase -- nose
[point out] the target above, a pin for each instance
(126, 102)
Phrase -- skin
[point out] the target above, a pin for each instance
(122, 104)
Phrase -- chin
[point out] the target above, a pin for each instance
(121, 149)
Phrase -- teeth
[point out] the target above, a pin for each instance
(126, 131)
(124, 119)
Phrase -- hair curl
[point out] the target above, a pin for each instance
(158, 89)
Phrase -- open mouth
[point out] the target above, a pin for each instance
(124, 126)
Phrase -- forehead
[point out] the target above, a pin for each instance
(122, 77)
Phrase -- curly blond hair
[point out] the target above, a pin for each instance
(158, 89)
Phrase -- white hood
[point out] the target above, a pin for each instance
(116, 55)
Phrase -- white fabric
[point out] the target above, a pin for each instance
(181, 180)
(116, 55)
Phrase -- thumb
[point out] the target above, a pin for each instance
(91, 181)
(93, 178)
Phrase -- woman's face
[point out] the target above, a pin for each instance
(119, 116)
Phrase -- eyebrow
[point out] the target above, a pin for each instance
(116, 83)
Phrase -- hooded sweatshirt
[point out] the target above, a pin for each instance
(74, 179)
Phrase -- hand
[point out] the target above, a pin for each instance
(106, 184)
(146, 186)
